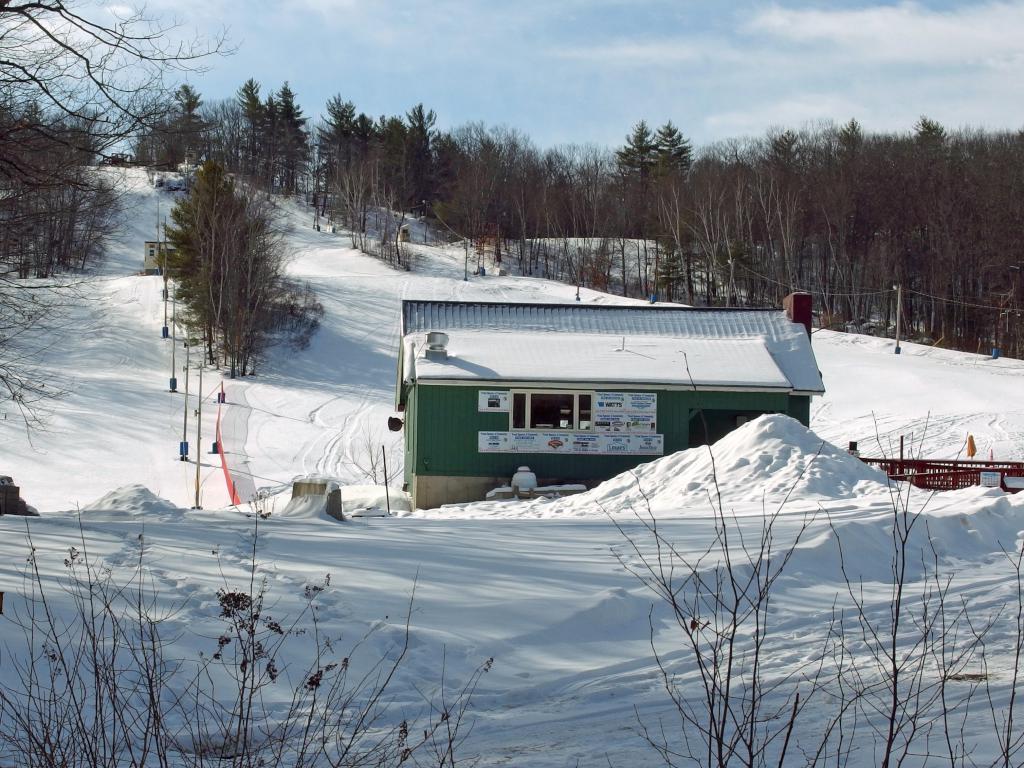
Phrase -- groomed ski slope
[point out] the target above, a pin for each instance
(543, 588)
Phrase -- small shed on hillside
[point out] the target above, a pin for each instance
(582, 392)
(154, 255)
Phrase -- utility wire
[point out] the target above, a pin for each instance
(923, 294)
(745, 268)
(958, 302)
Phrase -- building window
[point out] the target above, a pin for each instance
(552, 411)
(519, 410)
(586, 419)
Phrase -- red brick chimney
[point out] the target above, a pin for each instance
(798, 309)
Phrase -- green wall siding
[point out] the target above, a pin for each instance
(800, 409)
(442, 423)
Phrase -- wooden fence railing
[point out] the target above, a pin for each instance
(948, 475)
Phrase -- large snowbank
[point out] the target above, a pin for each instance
(770, 459)
(130, 501)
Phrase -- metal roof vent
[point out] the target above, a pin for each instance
(437, 346)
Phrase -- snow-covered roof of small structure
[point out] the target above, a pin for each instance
(721, 348)
(603, 358)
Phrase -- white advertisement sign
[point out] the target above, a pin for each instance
(624, 422)
(575, 443)
(647, 445)
(585, 443)
(495, 401)
(629, 412)
(493, 442)
(627, 402)
(991, 479)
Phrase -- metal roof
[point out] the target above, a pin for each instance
(426, 315)
(786, 341)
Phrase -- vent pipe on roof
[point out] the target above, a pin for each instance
(437, 346)
(798, 309)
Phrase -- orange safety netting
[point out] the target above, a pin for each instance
(232, 490)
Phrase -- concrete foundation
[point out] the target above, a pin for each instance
(430, 491)
(302, 488)
(334, 505)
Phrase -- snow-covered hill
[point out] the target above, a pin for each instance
(548, 594)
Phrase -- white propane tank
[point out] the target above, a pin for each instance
(524, 480)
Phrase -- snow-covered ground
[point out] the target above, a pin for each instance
(542, 587)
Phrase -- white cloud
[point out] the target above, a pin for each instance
(987, 34)
(793, 112)
(647, 53)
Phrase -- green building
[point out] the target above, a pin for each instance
(582, 392)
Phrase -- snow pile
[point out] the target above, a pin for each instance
(130, 501)
(371, 501)
(769, 459)
(356, 501)
(951, 528)
(304, 507)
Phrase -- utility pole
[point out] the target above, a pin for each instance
(1016, 269)
(732, 283)
(387, 493)
(183, 446)
(199, 433)
(161, 261)
(174, 344)
(899, 313)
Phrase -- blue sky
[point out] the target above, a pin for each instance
(586, 70)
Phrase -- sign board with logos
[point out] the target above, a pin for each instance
(629, 412)
(492, 401)
(575, 443)
(493, 442)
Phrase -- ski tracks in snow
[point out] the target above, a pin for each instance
(234, 432)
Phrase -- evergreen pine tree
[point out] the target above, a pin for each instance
(229, 272)
(930, 136)
(188, 100)
(199, 221)
(674, 151)
(249, 100)
(188, 126)
(851, 136)
(782, 149)
(419, 158)
(293, 142)
(363, 131)
(269, 140)
(335, 138)
(670, 273)
(640, 152)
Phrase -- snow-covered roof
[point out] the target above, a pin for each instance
(740, 348)
(603, 358)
